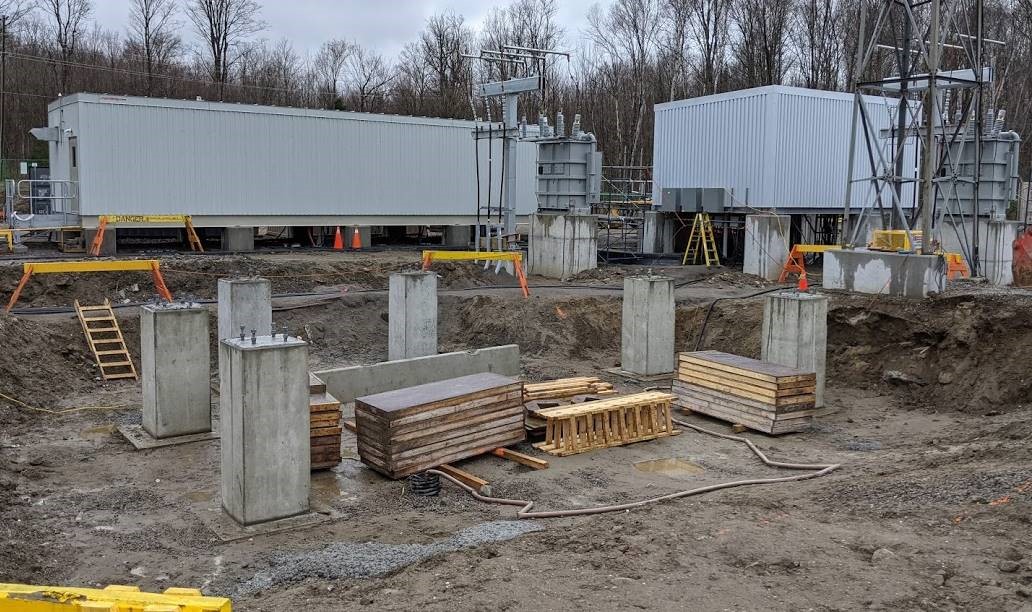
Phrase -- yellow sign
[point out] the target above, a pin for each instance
(146, 218)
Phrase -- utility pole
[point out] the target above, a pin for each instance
(930, 157)
(3, 93)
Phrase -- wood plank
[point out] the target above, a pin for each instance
(474, 482)
(754, 389)
(680, 387)
(744, 366)
(730, 390)
(350, 425)
(414, 399)
(518, 457)
(691, 368)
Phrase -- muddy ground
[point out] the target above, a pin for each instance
(928, 414)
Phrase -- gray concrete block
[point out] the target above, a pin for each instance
(244, 302)
(795, 333)
(412, 315)
(110, 245)
(997, 253)
(657, 233)
(562, 245)
(766, 245)
(174, 369)
(264, 425)
(647, 340)
(238, 239)
(897, 274)
(346, 384)
(458, 236)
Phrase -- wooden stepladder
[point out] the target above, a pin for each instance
(701, 240)
(105, 339)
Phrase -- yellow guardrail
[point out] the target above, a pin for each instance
(114, 598)
(110, 265)
(515, 257)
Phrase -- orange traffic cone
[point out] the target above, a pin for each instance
(338, 241)
(356, 241)
(803, 285)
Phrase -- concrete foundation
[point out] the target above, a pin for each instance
(247, 303)
(459, 236)
(795, 333)
(346, 384)
(904, 275)
(766, 245)
(174, 369)
(657, 233)
(238, 239)
(364, 232)
(647, 341)
(412, 315)
(265, 428)
(110, 245)
(995, 246)
(562, 245)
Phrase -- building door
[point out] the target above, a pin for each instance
(72, 194)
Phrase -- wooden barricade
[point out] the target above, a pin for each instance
(616, 421)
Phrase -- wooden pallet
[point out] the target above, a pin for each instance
(566, 387)
(610, 422)
(325, 425)
(763, 396)
(105, 339)
(410, 430)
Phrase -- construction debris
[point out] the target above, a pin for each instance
(762, 396)
(616, 421)
(410, 430)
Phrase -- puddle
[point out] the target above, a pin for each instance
(98, 431)
(671, 468)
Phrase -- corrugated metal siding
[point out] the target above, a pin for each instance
(784, 147)
(143, 156)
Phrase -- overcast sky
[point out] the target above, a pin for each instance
(383, 25)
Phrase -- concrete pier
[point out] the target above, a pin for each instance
(795, 333)
(265, 428)
(459, 236)
(562, 245)
(997, 253)
(244, 302)
(657, 233)
(412, 315)
(647, 341)
(174, 369)
(897, 274)
(766, 245)
(238, 239)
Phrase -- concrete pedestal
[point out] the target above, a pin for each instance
(997, 252)
(795, 333)
(245, 302)
(897, 274)
(265, 428)
(647, 341)
(412, 315)
(238, 239)
(174, 369)
(766, 245)
(657, 233)
(459, 236)
(562, 245)
(110, 245)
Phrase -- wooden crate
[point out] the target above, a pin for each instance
(615, 421)
(410, 430)
(763, 396)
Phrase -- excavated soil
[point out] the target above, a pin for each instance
(928, 413)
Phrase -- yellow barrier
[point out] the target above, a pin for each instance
(114, 598)
(113, 265)
(515, 257)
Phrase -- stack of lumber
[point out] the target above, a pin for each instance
(324, 414)
(406, 431)
(763, 396)
(616, 421)
(566, 387)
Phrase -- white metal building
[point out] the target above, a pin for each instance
(772, 147)
(243, 165)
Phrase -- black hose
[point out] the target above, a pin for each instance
(709, 310)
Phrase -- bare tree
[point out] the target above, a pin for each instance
(711, 33)
(67, 23)
(329, 67)
(818, 38)
(442, 43)
(223, 25)
(370, 77)
(761, 48)
(15, 10)
(152, 34)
